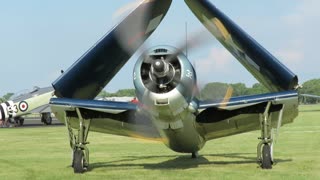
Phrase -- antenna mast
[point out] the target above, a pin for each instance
(186, 29)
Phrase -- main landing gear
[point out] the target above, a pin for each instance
(194, 155)
(265, 146)
(19, 121)
(46, 118)
(78, 141)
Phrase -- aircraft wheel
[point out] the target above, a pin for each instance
(19, 121)
(194, 155)
(266, 157)
(12, 121)
(78, 161)
(46, 119)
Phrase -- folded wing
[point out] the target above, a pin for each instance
(256, 59)
(90, 74)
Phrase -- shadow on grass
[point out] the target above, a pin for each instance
(180, 162)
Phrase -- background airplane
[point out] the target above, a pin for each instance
(304, 97)
(165, 83)
(21, 104)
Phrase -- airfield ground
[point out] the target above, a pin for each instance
(44, 153)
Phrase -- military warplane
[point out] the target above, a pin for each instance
(24, 103)
(165, 83)
(303, 97)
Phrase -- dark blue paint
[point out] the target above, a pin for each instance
(93, 71)
(80, 103)
(271, 73)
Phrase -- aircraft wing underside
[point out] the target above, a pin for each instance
(242, 114)
(118, 118)
(41, 109)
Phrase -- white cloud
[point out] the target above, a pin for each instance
(305, 12)
(125, 10)
(300, 50)
(291, 58)
(218, 60)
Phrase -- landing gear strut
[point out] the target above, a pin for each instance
(78, 142)
(265, 146)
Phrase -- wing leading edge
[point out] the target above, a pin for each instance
(242, 114)
(257, 60)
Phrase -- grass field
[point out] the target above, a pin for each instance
(43, 153)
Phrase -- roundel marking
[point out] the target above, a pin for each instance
(23, 106)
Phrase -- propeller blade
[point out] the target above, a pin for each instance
(127, 8)
(258, 61)
(227, 97)
(195, 40)
(93, 71)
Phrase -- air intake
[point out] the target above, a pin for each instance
(160, 51)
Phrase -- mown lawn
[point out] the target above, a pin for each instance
(44, 153)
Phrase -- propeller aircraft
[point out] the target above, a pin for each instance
(165, 80)
(21, 104)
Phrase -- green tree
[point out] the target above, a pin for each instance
(239, 89)
(218, 90)
(7, 96)
(119, 93)
(257, 89)
(103, 94)
(311, 87)
(214, 90)
(125, 92)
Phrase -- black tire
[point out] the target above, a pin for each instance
(46, 118)
(21, 121)
(78, 161)
(194, 155)
(12, 121)
(266, 157)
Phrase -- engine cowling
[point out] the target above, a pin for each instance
(165, 83)
(163, 77)
(7, 110)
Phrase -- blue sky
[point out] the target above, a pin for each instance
(39, 38)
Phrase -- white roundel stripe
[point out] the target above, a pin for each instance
(11, 109)
(3, 111)
(23, 106)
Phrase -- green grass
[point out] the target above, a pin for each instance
(44, 153)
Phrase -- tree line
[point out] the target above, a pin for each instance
(214, 90)
(311, 87)
(218, 90)
(6, 97)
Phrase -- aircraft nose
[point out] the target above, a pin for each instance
(7, 110)
(3, 111)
